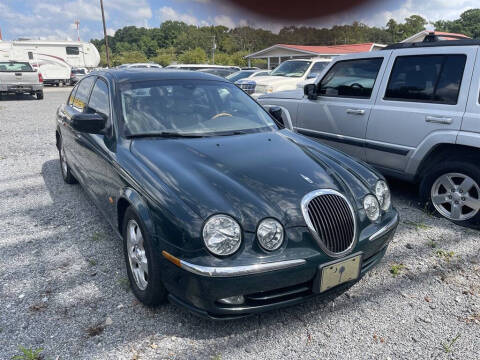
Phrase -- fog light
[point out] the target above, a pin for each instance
(233, 300)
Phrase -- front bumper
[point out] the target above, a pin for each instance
(265, 286)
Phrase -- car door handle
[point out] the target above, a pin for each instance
(438, 119)
(356, 111)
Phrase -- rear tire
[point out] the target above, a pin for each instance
(142, 261)
(64, 167)
(452, 189)
(40, 95)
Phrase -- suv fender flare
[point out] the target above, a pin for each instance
(427, 146)
(468, 139)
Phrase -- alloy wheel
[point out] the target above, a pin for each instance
(456, 196)
(137, 258)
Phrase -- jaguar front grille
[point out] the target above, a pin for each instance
(331, 220)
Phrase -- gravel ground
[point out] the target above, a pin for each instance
(63, 284)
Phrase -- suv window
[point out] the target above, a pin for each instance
(351, 78)
(317, 68)
(426, 78)
(72, 50)
(99, 102)
(83, 91)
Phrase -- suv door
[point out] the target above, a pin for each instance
(346, 94)
(419, 103)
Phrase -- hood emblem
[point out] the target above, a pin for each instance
(307, 179)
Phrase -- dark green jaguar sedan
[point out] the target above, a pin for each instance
(221, 208)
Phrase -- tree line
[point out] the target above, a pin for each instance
(176, 41)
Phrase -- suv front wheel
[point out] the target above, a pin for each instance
(452, 189)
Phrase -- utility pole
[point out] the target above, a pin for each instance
(105, 34)
(213, 50)
(77, 23)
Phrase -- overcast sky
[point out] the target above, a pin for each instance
(54, 19)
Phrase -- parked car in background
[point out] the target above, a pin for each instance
(221, 209)
(195, 67)
(288, 74)
(246, 74)
(140, 66)
(18, 77)
(411, 110)
(77, 74)
(219, 72)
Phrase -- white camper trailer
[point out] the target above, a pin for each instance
(54, 59)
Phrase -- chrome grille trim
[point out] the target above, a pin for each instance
(334, 238)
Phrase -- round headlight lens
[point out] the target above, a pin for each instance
(269, 89)
(270, 234)
(222, 235)
(372, 207)
(382, 192)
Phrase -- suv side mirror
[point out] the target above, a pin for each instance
(311, 91)
(88, 123)
(276, 112)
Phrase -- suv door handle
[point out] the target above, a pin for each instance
(356, 111)
(438, 119)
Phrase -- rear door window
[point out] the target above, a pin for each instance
(351, 78)
(426, 78)
(80, 99)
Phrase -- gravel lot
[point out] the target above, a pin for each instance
(63, 284)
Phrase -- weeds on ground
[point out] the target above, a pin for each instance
(448, 346)
(396, 269)
(432, 243)
(95, 330)
(92, 262)
(416, 225)
(444, 254)
(216, 357)
(124, 283)
(97, 236)
(28, 354)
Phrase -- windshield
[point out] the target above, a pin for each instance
(291, 68)
(239, 75)
(12, 66)
(200, 107)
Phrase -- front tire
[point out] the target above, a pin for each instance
(65, 168)
(142, 261)
(452, 190)
(40, 95)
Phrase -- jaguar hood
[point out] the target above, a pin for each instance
(251, 176)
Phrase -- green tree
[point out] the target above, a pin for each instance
(165, 57)
(195, 56)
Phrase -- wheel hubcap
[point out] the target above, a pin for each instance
(456, 196)
(63, 160)
(137, 259)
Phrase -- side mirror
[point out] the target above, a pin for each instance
(276, 112)
(88, 123)
(311, 91)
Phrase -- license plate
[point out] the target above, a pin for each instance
(339, 272)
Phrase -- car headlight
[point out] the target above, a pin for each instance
(270, 234)
(222, 235)
(382, 192)
(372, 207)
(269, 89)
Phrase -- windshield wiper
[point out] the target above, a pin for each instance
(165, 134)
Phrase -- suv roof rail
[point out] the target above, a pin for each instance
(434, 43)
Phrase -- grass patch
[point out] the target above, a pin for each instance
(432, 243)
(216, 357)
(124, 283)
(448, 346)
(444, 254)
(396, 269)
(98, 236)
(416, 225)
(92, 262)
(28, 354)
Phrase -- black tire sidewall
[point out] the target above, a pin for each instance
(67, 177)
(449, 166)
(155, 293)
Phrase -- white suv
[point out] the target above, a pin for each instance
(412, 110)
(288, 74)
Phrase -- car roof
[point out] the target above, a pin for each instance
(440, 43)
(128, 75)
